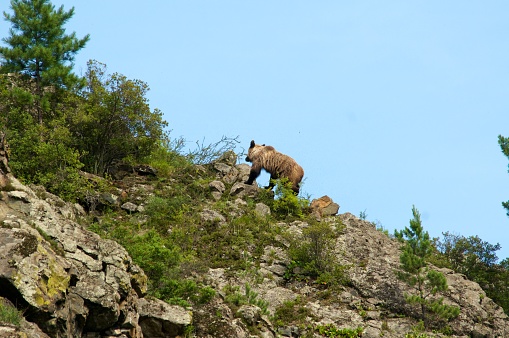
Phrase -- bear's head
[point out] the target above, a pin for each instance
(253, 151)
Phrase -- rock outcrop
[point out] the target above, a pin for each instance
(69, 282)
(374, 257)
(324, 207)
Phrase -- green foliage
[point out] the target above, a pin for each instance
(477, 259)
(165, 211)
(54, 244)
(383, 230)
(154, 254)
(236, 298)
(417, 335)
(313, 255)
(235, 244)
(9, 314)
(503, 142)
(38, 57)
(38, 45)
(49, 161)
(418, 331)
(54, 124)
(252, 298)
(363, 215)
(291, 312)
(427, 283)
(115, 121)
(286, 203)
(85, 132)
(161, 260)
(182, 291)
(39, 49)
(166, 158)
(330, 330)
(466, 254)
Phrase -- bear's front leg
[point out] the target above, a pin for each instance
(253, 174)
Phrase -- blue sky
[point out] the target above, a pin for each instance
(386, 104)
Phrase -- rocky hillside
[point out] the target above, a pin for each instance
(69, 282)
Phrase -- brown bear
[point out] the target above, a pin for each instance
(277, 164)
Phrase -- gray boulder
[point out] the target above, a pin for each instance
(159, 319)
(251, 314)
(217, 188)
(130, 207)
(228, 157)
(209, 215)
(241, 190)
(262, 210)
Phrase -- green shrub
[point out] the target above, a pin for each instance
(164, 211)
(331, 331)
(418, 331)
(286, 203)
(160, 258)
(478, 260)
(291, 312)
(167, 159)
(236, 298)
(313, 255)
(44, 156)
(154, 254)
(235, 244)
(182, 291)
(252, 298)
(9, 314)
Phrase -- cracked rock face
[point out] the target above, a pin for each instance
(75, 283)
(68, 281)
(374, 257)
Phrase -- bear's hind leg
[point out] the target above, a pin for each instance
(272, 182)
(253, 174)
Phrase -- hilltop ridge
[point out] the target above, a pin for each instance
(222, 252)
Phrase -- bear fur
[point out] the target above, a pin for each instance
(277, 164)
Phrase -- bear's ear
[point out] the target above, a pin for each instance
(252, 144)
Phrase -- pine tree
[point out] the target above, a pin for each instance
(504, 146)
(39, 56)
(426, 282)
(39, 48)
